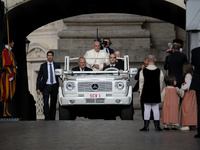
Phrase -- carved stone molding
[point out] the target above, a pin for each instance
(36, 52)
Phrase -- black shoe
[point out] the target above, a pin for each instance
(157, 125)
(192, 127)
(174, 129)
(146, 126)
(144, 129)
(197, 136)
(166, 129)
(158, 129)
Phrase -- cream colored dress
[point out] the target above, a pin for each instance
(170, 111)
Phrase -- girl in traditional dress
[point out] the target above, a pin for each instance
(189, 102)
(170, 96)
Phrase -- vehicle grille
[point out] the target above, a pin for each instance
(102, 87)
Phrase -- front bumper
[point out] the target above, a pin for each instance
(114, 100)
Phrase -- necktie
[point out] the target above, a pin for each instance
(51, 74)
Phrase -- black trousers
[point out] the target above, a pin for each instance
(52, 92)
(198, 107)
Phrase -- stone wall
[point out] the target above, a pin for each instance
(133, 35)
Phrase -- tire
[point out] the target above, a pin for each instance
(65, 113)
(127, 112)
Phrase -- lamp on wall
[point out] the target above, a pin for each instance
(27, 42)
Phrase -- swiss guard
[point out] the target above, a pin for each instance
(8, 77)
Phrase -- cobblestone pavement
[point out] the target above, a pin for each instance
(91, 135)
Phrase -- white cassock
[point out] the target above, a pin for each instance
(93, 54)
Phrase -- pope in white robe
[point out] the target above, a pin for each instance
(96, 59)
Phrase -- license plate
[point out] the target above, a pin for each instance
(95, 95)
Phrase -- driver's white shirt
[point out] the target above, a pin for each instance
(93, 54)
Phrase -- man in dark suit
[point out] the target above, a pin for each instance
(178, 42)
(175, 64)
(81, 65)
(112, 59)
(195, 84)
(106, 46)
(47, 83)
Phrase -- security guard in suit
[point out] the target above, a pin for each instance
(47, 83)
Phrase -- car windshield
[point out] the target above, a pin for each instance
(69, 60)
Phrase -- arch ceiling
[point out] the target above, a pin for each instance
(27, 17)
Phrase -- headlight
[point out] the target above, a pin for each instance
(70, 86)
(119, 85)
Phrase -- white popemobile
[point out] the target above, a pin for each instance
(96, 94)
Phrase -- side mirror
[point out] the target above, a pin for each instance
(133, 71)
(58, 72)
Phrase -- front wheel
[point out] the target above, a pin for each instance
(127, 112)
(65, 113)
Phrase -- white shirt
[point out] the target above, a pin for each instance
(102, 58)
(188, 80)
(180, 92)
(81, 69)
(6, 46)
(112, 65)
(48, 68)
(141, 78)
(106, 50)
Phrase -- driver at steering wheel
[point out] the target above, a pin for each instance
(112, 59)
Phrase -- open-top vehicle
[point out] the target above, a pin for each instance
(95, 94)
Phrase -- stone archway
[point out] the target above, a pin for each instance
(29, 16)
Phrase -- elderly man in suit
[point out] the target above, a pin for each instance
(195, 84)
(47, 83)
(81, 65)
